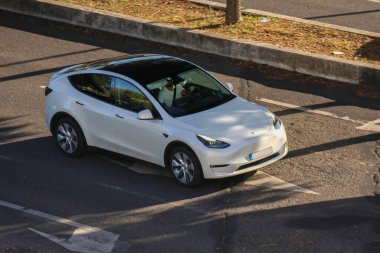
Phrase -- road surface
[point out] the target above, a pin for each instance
(320, 198)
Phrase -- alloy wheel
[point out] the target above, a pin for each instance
(67, 138)
(183, 168)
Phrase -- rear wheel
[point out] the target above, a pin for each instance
(185, 167)
(70, 137)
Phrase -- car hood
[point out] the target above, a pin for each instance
(233, 121)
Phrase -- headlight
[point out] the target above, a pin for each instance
(276, 121)
(212, 143)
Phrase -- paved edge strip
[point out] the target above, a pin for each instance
(294, 60)
(221, 6)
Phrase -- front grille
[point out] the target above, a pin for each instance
(257, 162)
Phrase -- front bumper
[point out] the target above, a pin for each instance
(235, 161)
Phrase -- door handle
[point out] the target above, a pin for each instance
(79, 103)
(117, 115)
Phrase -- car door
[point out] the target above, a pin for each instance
(139, 138)
(94, 105)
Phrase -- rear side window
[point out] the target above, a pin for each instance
(76, 81)
(95, 85)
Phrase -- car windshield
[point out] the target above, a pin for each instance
(188, 91)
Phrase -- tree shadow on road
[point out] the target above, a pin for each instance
(371, 50)
(11, 130)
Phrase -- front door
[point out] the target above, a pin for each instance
(138, 138)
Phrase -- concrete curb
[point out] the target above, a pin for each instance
(221, 6)
(289, 59)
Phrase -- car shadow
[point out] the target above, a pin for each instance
(43, 156)
(11, 130)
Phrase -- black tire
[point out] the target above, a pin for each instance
(185, 174)
(69, 137)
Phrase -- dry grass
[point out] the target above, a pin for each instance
(280, 32)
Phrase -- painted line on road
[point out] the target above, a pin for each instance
(84, 239)
(45, 215)
(42, 87)
(373, 126)
(262, 179)
(306, 109)
(375, 1)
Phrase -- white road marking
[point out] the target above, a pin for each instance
(306, 109)
(42, 87)
(262, 179)
(141, 167)
(375, 1)
(85, 239)
(371, 126)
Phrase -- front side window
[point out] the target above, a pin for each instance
(130, 97)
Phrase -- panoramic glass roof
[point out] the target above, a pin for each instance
(142, 68)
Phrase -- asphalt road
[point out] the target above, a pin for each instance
(148, 213)
(359, 14)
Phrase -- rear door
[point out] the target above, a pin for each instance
(93, 106)
(139, 138)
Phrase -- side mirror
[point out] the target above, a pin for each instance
(229, 86)
(145, 114)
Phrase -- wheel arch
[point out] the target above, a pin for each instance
(173, 145)
(60, 115)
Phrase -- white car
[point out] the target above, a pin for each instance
(164, 110)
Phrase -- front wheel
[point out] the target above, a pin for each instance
(69, 137)
(185, 167)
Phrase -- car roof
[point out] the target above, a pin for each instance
(141, 68)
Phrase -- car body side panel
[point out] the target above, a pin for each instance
(142, 139)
